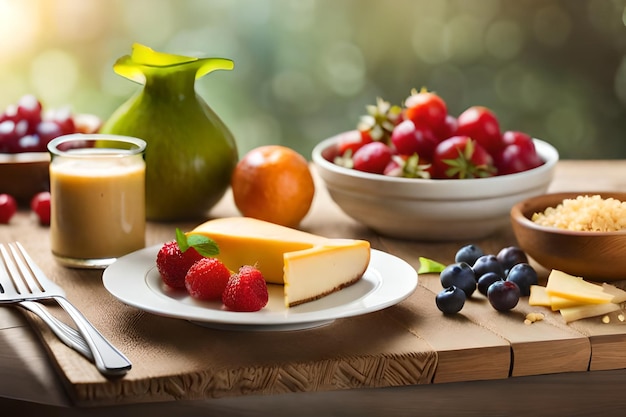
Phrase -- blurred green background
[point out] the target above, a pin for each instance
(305, 69)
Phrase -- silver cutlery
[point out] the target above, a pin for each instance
(25, 281)
(67, 334)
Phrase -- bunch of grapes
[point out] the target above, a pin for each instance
(25, 127)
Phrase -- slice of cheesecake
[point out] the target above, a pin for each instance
(309, 266)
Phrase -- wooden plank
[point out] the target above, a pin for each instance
(542, 347)
(465, 351)
(196, 362)
(532, 347)
(608, 342)
(25, 369)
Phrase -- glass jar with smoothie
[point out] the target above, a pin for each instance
(97, 188)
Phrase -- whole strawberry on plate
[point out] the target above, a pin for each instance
(176, 257)
(246, 290)
(207, 279)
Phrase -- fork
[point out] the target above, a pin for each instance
(28, 282)
(65, 333)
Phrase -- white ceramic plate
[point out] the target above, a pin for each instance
(134, 280)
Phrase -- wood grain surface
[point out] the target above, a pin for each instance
(408, 356)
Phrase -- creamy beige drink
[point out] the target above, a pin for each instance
(97, 203)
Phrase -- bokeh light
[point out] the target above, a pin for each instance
(306, 69)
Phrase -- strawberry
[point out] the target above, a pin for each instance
(426, 108)
(372, 158)
(207, 279)
(462, 157)
(351, 141)
(379, 121)
(408, 167)
(246, 290)
(176, 257)
(173, 264)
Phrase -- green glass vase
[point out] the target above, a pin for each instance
(191, 153)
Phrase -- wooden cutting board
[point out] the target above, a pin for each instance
(407, 344)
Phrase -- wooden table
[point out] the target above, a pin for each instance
(478, 363)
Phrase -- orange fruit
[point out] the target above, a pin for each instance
(273, 183)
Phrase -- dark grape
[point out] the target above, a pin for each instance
(459, 275)
(468, 254)
(485, 281)
(511, 256)
(503, 295)
(450, 300)
(524, 276)
(487, 263)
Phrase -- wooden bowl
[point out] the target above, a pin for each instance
(23, 175)
(597, 256)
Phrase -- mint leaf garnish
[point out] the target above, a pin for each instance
(181, 239)
(428, 266)
(203, 244)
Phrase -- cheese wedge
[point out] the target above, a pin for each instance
(574, 288)
(309, 266)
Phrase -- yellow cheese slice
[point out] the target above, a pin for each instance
(558, 303)
(590, 310)
(539, 296)
(309, 266)
(568, 286)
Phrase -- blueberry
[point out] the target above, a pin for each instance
(468, 254)
(450, 300)
(487, 263)
(503, 295)
(524, 276)
(459, 275)
(511, 256)
(485, 281)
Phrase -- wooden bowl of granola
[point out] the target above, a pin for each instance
(580, 233)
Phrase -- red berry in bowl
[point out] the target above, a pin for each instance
(481, 124)
(462, 157)
(373, 158)
(447, 129)
(409, 138)
(426, 108)
(8, 207)
(519, 154)
(351, 142)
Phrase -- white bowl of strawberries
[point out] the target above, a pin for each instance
(417, 172)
